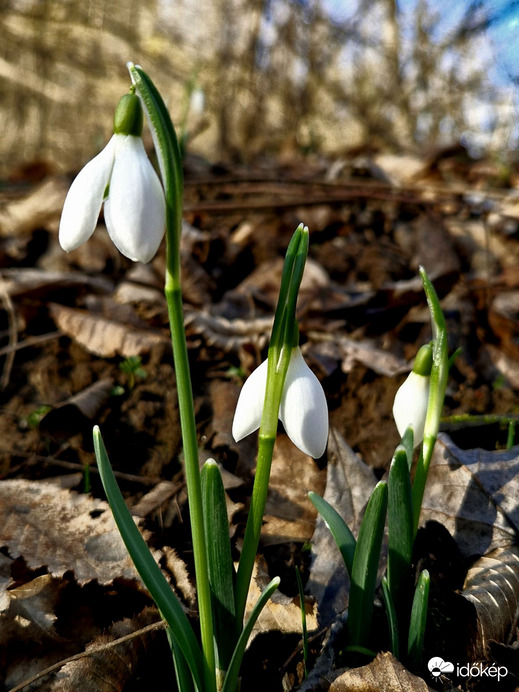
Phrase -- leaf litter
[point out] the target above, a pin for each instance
(76, 317)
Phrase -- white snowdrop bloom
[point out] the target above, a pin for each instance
(303, 409)
(410, 405)
(123, 177)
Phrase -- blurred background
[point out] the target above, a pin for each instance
(252, 78)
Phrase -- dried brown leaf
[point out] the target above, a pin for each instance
(282, 613)
(384, 674)
(63, 531)
(111, 665)
(474, 494)
(40, 209)
(102, 336)
(30, 612)
(22, 281)
(492, 585)
(78, 412)
(289, 514)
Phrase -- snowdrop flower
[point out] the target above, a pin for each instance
(303, 410)
(411, 400)
(123, 177)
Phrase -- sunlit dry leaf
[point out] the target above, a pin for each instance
(349, 484)
(62, 531)
(384, 674)
(474, 494)
(23, 281)
(30, 614)
(79, 412)
(396, 169)
(183, 584)
(111, 668)
(40, 209)
(289, 514)
(6, 581)
(282, 613)
(160, 494)
(506, 365)
(503, 316)
(104, 337)
(366, 352)
(228, 335)
(492, 585)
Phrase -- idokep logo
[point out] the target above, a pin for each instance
(438, 667)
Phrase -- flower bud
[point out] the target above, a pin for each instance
(412, 398)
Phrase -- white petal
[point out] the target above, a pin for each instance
(249, 409)
(303, 410)
(84, 199)
(410, 405)
(135, 210)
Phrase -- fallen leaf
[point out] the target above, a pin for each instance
(282, 613)
(62, 530)
(40, 209)
(492, 585)
(102, 336)
(474, 494)
(111, 665)
(78, 412)
(289, 514)
(30, 612)
(384, 674)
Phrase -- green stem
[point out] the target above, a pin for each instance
(192, 472)
(170, 163)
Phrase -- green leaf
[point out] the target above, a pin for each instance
(150, 573)
(418, 619)
(400, 529)
(342, 535)
(391, 619)
(303, 620)
(365, 567)
(221, 570)
(231, 679)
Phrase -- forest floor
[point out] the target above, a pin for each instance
(84, 341)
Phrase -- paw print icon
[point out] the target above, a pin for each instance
(437, 666)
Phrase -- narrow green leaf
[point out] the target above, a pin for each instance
(391, 619)
(221, 570)
(146, 566)
(365, 567)
(303, 620)
(231, 679)
(182, 673)
(342, 535)
(418, 619)
(400, 529)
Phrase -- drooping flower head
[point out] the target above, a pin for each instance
(122, 176)
(412, 398)
(303, 409)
